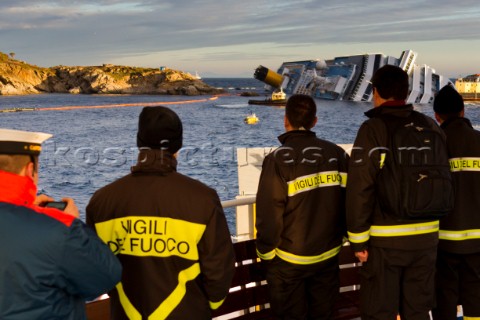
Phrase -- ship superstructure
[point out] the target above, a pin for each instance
(348, 77)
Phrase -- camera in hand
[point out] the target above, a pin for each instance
(60, 205)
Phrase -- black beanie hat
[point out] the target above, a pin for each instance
(448, 100)
(159, 128)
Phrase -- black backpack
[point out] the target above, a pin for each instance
(415, 180)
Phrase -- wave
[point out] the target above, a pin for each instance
(232, 106)
(472, 104)
(242, 88)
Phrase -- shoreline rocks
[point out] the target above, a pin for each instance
(19, 78)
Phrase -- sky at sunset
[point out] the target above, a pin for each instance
(224, 38)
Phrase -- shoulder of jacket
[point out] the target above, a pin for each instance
(429, 120)
(55, 214)
(375, 124)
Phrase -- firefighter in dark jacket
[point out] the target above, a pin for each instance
(397, 256)
(300, 218)
(168, 230)
(458, 260)
(50, 261)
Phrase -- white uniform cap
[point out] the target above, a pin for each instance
(21, 142)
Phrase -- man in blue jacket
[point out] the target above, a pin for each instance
(50, 261)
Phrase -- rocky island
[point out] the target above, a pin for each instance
(18, 77)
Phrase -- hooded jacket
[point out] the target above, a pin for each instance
(50, 262)
(460, 230)
(367, 224)
(300, 200)
(170, 233)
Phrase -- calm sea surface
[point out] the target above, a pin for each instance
(92, 147)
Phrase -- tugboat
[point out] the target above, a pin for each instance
(251, 119)
(278, 98)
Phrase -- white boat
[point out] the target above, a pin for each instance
(279, 95)
(197, 76)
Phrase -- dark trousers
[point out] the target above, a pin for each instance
(397, 282)
(303, 291)
(458, 282)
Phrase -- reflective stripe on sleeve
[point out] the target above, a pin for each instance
(404, 230)
(266, 256)
(464, 164)
(296, 259)
(359, 237)
(314, 181)
(459, 235)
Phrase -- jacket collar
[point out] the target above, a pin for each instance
(155, 161)
(398, 108)
(458, 120)
(15, 189)
(295, 133)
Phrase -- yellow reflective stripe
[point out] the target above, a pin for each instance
(266, 256)
(382, 159)
(464, 164)
(151, 236)
(296, 259)
(359, 237)
(470, 318)
(404, 230)
(215, 305)
(128, 307)
(343, 181)
(314, 181)
(459, 235)
(170, 303)
(174, 299)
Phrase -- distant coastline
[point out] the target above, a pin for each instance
(20, 78)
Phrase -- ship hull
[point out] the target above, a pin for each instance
(268, 102)
(348, 77)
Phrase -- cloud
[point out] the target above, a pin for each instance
(86, 32)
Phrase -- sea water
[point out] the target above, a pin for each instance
(92, 147)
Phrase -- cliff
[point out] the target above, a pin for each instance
(18, 77)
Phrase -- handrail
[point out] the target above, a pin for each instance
(238, 202)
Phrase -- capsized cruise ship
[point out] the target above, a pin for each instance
(348, 78)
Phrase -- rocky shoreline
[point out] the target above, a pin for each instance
(19, 78)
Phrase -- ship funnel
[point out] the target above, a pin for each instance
(268, 76)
